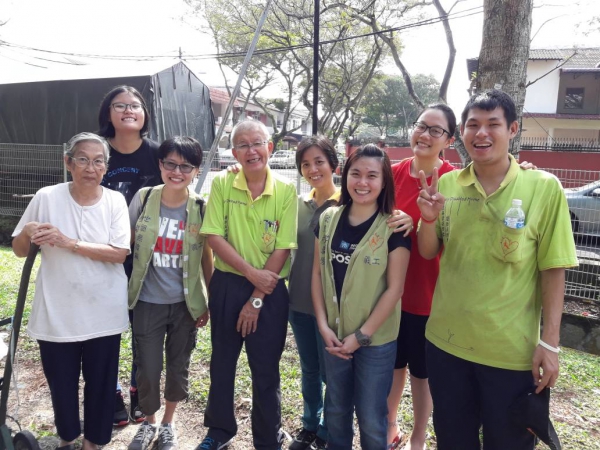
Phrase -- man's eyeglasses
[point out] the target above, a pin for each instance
(246, 147)
(171, 166)
(434, 131)
(82, 161)
(122, 107)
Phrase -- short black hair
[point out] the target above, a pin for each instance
(107, 129)
(386, 200)
(186, 147)
(323, 143)
(489, 100)
(447, 111)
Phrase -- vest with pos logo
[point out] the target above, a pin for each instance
(365, 279)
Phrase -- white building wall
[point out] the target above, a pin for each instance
(575, 134)
(542, 96)
(541, 127)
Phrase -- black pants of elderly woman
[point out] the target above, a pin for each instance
(63, 363)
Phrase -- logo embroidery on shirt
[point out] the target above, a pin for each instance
(508, 245)
(375, 242)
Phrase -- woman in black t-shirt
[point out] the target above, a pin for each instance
(124, 120)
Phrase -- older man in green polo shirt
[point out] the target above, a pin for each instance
(484, 347)
(250, 222)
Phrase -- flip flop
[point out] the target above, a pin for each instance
(398, 442)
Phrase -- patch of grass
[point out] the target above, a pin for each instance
(10, 278)
(575, 405)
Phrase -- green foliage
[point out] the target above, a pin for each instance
(388, 106)
(346, 66)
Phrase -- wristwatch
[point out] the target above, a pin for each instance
(362, 338)
(256, 302)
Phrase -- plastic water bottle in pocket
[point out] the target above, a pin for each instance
(515, 217)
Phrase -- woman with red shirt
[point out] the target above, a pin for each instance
(433, 132)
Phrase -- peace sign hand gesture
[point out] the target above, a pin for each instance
(430, 201)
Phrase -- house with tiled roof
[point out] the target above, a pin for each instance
(562, 103)
(245, 108)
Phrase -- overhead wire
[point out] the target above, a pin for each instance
(227, 55)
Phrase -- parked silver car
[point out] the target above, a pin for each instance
(283, 159)
(584, 206)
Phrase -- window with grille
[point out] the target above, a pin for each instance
(574, 98)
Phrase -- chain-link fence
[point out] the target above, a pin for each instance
(24, 169)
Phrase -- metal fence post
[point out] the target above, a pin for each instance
(64, 164)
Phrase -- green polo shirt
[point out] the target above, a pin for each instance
(255, 228)
(488, 298)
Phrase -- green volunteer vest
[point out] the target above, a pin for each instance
(146, 233)
(365, 279)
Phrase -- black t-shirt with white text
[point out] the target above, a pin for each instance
(128, 173)
(345, 239)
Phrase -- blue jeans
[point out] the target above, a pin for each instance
(310, 350)
(362, 383)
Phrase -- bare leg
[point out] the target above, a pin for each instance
(169, 411)
(88, 445)
(394, 402)
(422, 408)
(64, 443)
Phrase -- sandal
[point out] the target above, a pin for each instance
(399, 440)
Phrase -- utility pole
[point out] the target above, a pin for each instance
(315, 116)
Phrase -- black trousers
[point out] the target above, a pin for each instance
(228, 294)
(63, 363)
(468, 396)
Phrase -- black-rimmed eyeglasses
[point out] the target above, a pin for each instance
(171, 166)
(434, 131)
(122, 107)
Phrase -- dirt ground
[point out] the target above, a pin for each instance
(573, 413)
(31, 406)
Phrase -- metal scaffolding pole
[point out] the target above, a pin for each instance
(234, 95)
(316, 39)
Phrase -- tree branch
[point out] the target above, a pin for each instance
(551, 70)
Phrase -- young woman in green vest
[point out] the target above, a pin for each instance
(172, 267)
(357, 282)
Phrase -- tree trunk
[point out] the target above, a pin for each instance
(505, 51)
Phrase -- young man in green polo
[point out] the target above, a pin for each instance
(250, 224)
(484, 347)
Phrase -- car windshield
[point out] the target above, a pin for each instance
(281, 154)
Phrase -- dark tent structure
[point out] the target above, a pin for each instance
(51, 112)
(38, 117)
